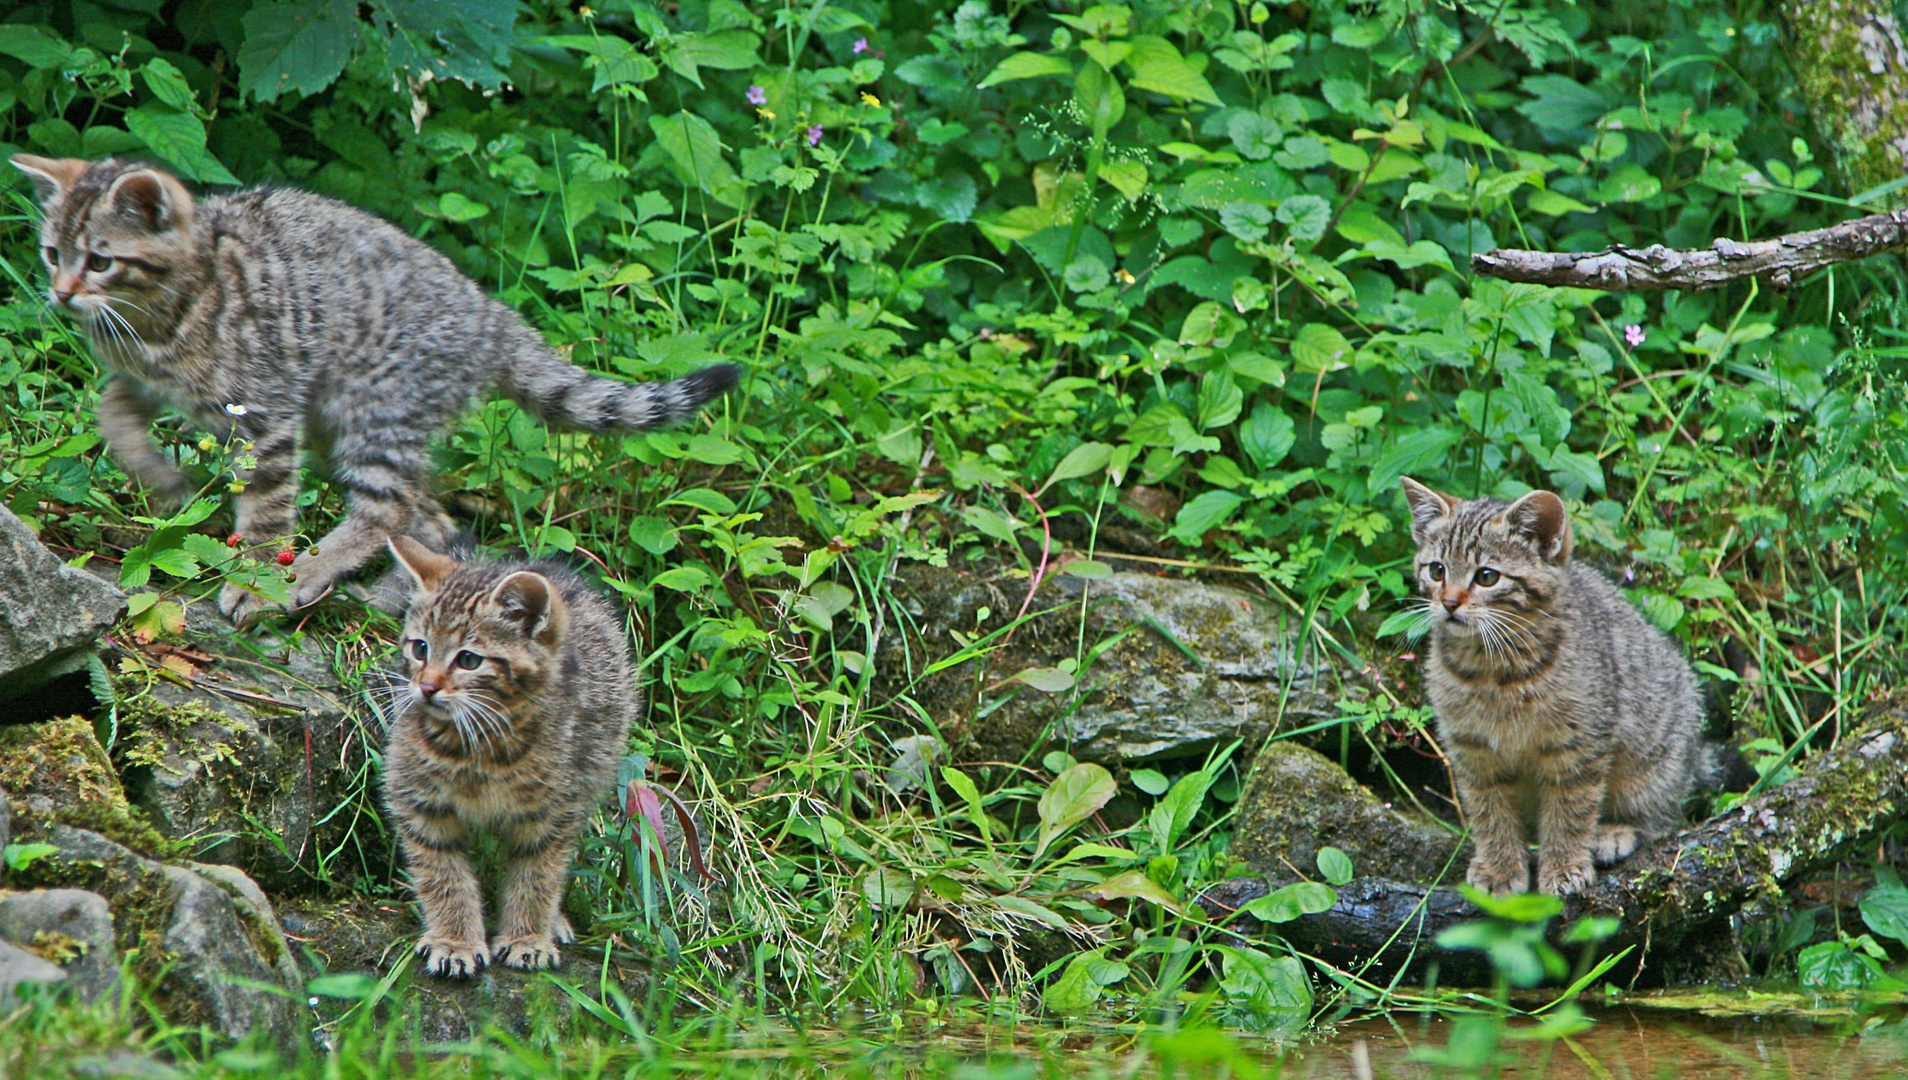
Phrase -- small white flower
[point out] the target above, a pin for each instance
(236, 409)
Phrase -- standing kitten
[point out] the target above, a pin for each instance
(1557, 702)
(513, 723)
(286, 318)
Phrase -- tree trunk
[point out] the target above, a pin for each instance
(1852, 70)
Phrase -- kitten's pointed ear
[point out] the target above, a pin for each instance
(154, 197)
(50, 176)
(528, 599)
(426, 567)
(1539, 517)
(1427, 506)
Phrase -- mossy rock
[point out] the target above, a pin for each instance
(1298, 800)
(56, 773)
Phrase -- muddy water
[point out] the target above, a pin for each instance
(1625, 1042)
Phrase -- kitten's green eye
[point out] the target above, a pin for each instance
(1487, 577)
(469, 661)
(1437, 571)
(420, 652)
(98, 263)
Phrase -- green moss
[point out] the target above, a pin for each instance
(56, 772)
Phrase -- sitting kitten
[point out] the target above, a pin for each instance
(291, 319)
(513, 722)
(1557, 702)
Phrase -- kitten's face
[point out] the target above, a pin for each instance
(1488, 569)
(111, 235)
(478, 644)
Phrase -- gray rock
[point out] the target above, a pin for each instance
(71, 925)
(1186, 667)
(18, 968)
(1297, 800)
(247, 765)
(6, 820)
(220, 952)
(50, 613)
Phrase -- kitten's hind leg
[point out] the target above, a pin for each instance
(1613, 843)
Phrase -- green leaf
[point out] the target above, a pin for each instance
(1169, 820)
(888, 888)
(988, 523)
(1026, 65)
(724, 50)
(1320, 348)
(1292, 901)
(179, 138)
(1267, 435)
(348, 986)
(21, 856)
(1151, 781)
(167, 84)
(1411, 623)
(296, 45)
(1334, 865)
(682, 579)
(704, 499)
(1074, 796)
(692, 143)
(653, 534)
(1220, 400)
(1157, 66)
(1135, 884)
(1411, 454)
(1205, 512)
(1885, 907)
(1083, 460)
(1047, 680)
(36, 45)
(457, 206)
(1039, 913)
(1305, 217)
(964, 787)
(1075, 991)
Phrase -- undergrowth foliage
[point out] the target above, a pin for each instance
(1003, 272)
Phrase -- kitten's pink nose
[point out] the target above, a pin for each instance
(428, 689)
(1451, 603)
(61, 296)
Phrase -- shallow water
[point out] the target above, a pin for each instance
(1626, 1042)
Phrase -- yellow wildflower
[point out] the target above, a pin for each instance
(871, 100)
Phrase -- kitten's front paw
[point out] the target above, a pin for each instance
(525, 951)
(560, 931)
(1613, 842)
(242, 605)
(312, 577)
(454, 959)
(1499, 877)
(1562, 879)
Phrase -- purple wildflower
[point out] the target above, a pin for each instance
(757, 96)
(1633, 334)
(861, 46)
(814, 135)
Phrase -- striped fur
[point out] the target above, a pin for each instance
(319, 326)
(1563, 711)
(522, 746)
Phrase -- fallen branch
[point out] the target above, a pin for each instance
(1779, 262)
(1678, 890)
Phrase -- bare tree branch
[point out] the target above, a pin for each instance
(1779, 262)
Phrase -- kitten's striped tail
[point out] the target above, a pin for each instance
(565, 395)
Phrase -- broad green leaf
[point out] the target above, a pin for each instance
(888, 888)
(1220, 400)
(1076, 990)
(1135, 883)
(1334, 865)
(36, 45)
(179, 138)
(1885, 907)
(681, 579)
(653, 534)
(1083, 460)
(1151, 781)
(1039, 913)
(1047, 680)
(457, 206)
(1173, 815)
(988, 523)
(168, 84)
(1319, 348)
(964, 787)
(1026, 65)
(704, 499)
(1411, 454)
(1203, 513)
(296, 46)
(1292, 901)
(1074, 796)
(1267, 435)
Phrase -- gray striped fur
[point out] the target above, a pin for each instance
(521, 746)
(321, 327)
(1566, 716)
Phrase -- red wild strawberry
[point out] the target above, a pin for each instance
(234, 540)
(285, 557)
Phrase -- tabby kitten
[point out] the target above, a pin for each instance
(512, 723)
(1559, 705)
(290, 319)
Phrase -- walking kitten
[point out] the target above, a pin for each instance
(1559, 704)
(513, 721)
(290, 319)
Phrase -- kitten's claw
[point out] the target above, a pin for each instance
(1498, 877)
(1566, 879)
(312, 578)
(525, 951)
(560, 931)
(242, 605)
(452, 959)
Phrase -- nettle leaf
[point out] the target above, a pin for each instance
(1305, 217)
(953, 195)
(1267, 435)
(692, 143)
(179, 138)
(1319, 347)
(1885, 907)
(1220, 400)
(297, 46)
(167, 84)
(1413, 453)
(39, 47)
